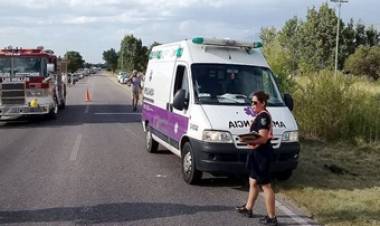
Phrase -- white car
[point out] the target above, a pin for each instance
(122, 77)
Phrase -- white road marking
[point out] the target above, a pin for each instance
(291, 214)
(161, 176)
(116, 113)
(87, 109)
(74, 152)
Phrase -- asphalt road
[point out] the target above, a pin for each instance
(89, 167)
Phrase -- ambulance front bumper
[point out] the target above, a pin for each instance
(225, 158)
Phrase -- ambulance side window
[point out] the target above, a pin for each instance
(181, 80)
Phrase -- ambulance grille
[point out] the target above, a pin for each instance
(276, 142)
(12, 93)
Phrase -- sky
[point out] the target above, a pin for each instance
(92, 26)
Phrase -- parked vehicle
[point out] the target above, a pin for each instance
(197, 102)
(30, 83)
(122, 77)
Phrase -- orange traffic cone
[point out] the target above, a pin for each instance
(87, 96)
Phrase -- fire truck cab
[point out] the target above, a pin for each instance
(30, 83)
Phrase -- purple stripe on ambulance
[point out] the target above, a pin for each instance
(171, 124)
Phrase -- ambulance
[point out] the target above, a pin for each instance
(197, 101)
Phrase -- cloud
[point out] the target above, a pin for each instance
(92, 26)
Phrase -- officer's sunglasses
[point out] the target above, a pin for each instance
(254, 102)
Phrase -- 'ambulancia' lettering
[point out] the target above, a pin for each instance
(238, 124)
(278, 124)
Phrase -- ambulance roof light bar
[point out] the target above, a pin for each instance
(225, 42)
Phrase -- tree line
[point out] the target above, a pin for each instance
(303, 46)
(300, 46)
(131, 56)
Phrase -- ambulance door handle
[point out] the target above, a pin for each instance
(169, 107)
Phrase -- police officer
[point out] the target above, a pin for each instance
(259, 160)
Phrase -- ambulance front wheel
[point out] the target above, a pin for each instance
(190, 174)
(150, 145)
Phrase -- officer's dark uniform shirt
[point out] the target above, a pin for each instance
(259, 159)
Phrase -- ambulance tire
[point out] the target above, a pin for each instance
(151, 145)
(285, 175)
(189, 171)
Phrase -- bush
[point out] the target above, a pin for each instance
(330, 107)
(365, 61)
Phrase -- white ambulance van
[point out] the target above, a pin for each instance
(197, 101)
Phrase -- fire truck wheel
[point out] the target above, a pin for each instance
(53, 112)
(62, 105)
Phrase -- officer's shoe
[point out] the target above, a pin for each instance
(269, 221)
(244, 211)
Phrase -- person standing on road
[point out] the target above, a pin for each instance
(259, 160)
(135, 81)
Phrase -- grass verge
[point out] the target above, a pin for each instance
(338, 183)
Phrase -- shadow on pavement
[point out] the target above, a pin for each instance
(75, 115)
(105, 213)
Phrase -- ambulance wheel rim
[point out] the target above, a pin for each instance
(148, 139)
(187, 162)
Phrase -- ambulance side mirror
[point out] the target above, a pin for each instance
(180, 102)
(289, 101)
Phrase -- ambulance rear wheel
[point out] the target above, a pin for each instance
(189, 172)
(151, 145)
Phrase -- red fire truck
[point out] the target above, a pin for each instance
(30, 83)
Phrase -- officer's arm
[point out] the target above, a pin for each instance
(264, 137)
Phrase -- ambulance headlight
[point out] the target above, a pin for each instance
(217, 136)
(290, 136)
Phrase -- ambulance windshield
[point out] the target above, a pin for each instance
(224, 84)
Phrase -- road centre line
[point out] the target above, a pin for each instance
(75, 150)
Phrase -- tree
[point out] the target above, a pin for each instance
(133, 56)
(365, 61)
(318, 35)
(289, 39)
(153, 45)
(347, 43)
(372, 36)
(75, 61)
(143, 58)
(267, 35)
(309, 46)
(110, 57)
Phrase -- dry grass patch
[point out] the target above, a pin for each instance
(339, 184)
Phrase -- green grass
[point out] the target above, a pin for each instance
(350, 196)
(338, 107)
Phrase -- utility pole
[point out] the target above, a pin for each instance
(337, 33)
